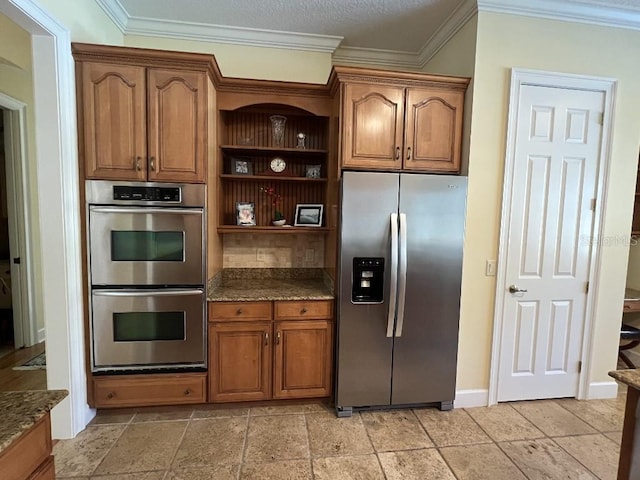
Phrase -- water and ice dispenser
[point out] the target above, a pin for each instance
(368, 280)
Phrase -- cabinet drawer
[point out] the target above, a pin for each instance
(26, 454)
(152, 389)
(46, 471)
(303, 309)
(219, 311)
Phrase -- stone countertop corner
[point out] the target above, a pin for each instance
(21, 411)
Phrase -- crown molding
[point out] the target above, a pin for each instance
(602, 14)
(458, 19)
(254, 37)
(375, 57)
(116, 12)
(551, 9)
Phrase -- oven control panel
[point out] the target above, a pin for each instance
(146, 194)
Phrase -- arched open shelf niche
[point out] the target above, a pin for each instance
(246, 138)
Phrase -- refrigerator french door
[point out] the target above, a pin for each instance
(399, 285)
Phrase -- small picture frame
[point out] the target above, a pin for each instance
(241, 166)
(245, 213)
(312, 171)
(308, 215)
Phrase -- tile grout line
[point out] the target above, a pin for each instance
(375, 450)
(126, 426)
(245, 441)
(436, 446)
(306, 428)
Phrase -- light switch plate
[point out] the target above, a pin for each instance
(490, 268)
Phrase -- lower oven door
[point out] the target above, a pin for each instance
(148, 329)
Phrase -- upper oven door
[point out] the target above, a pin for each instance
(137, 246)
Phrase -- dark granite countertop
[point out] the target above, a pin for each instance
(630, 377)
(21, 410)
(254, 284)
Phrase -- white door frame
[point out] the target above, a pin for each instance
(607, 86)
(17, 169)
(58, 215)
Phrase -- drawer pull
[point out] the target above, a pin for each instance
(278, 338)
(187, 391)
(239, 311)
(111, 395)
(304, 310)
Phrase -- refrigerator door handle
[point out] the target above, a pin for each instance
(402, 281)
(393, 284)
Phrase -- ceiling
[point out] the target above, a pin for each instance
(391, 31)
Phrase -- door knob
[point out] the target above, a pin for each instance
(514, 289)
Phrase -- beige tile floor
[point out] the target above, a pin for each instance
(546, 439)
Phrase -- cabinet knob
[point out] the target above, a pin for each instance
(152, 163)
(110, 395)
(304, 310)
(239, 311)
(397, 153)
(187, 391)
(408, 153)
(138, 167)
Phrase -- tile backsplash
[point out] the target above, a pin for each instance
(273, 251)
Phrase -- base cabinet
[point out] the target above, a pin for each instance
(287, 354)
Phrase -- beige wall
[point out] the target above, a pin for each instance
(241, 61)
(86, 21)
(506, 41)
(16, 81)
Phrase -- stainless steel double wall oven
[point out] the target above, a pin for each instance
(147, 275)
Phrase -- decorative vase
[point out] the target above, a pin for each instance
(277, 126)
(279, 223)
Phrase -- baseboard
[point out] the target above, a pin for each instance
(471, 398)
(41, 335)
(602, 390)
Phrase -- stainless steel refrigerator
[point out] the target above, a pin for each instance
(399, 289)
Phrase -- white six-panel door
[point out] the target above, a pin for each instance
(557, 147)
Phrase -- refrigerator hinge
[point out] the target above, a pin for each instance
(580, 366)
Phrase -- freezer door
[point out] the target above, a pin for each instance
(425, 349)
(364, 349)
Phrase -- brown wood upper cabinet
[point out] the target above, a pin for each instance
(143, 123)
(401, 121)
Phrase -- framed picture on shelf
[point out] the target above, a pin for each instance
(245, 213)
(308, 215)
(312, 171)
(241, 166)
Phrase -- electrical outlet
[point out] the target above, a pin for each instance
(309, 255)
(490, 268)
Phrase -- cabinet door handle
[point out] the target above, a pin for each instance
(408, 153)
(152, 163)
(138, 167)
(397, 153)
(266, 338)
(277, 338)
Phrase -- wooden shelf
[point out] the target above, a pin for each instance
(248, 149)
(267, 229)
(270, 178)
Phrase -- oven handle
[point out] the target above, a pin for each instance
(148, 293)
(181, 211)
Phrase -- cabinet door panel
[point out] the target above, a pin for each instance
(113, 107)
(303, 359)
(433, 130)
(372, 126)
(177, 125)
(239, 361)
